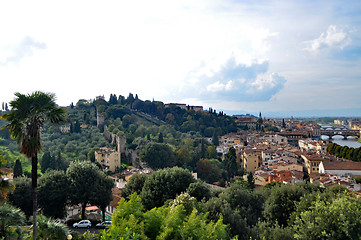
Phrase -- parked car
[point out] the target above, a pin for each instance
(103, 224)
(82, 224)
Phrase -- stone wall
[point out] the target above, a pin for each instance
(121, 146)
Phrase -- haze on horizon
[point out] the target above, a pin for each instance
(237, 56)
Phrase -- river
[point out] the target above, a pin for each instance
(350, 141)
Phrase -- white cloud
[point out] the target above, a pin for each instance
(334, 37)
(14, 53)
(266, 81)
(234, 81)
(218, 86)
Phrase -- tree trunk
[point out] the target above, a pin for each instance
(34, 179)
(83, 206)
(103, 210)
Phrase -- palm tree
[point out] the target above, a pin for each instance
(10, 216)
(27, 116)
(51, 229)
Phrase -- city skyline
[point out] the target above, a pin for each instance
(286, 57)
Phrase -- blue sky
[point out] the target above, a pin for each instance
(235, 56)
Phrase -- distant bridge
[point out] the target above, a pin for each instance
(334, 128)
(330, 132)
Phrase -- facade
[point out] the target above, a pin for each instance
(293, 137)
(108, 158)
(251, 159)
(289, 167)
(312, 162)
(248, 121)
(184, 106)
(275, 138)
(309, 144)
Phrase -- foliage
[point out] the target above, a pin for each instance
(350, 153)
(165, 184)
(134, 185)
(283, 200)
(53, 193)
(18, 169)
(199, 190)
(21, 197)
(336, 218)
(55, 162)
(88, 184)
(51, 229)
(131, 222)
(269, 231)
(158, 155)
(209, 170)
(10, 216)
(230, 163)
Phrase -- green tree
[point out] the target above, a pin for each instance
(26, 118)
(182, 156)
(158, 155)
(165, 184)
(336, 218)
(134, 185)
(51, 229)
(103, 192)
(199, 190)
(160, 137)
(211, 152)
(18, 169)
(215, 140)
(217, 208)
(209, 170)
(45, 162)
(88, 184)
(230, 163)
(127, 220)
(250, 181)
(10, 216)
(21, 196)
(283, 200)
(77, 128)
(53, 193)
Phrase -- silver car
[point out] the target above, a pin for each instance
(82, 224)
(103, 224)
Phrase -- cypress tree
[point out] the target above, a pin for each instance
(160, 137)
(18, 169)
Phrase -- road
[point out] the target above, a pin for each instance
(83, 230)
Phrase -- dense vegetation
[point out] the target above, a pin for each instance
(278, 211)
(82, 183)
(350, 153)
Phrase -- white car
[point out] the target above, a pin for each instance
(82, 224)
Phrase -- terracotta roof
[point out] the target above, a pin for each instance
(115, 201)
(341, 165)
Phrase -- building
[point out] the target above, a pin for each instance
(309, 144)
(289, 167)
(184, 106)
(340, 168)
(246, 121)
(108, 158)
(275, 138)
(293, 137)
(251, 159)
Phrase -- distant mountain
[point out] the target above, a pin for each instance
(349, 113)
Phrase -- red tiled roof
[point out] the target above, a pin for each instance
(341, 165)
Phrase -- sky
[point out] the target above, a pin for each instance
(271, 56)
